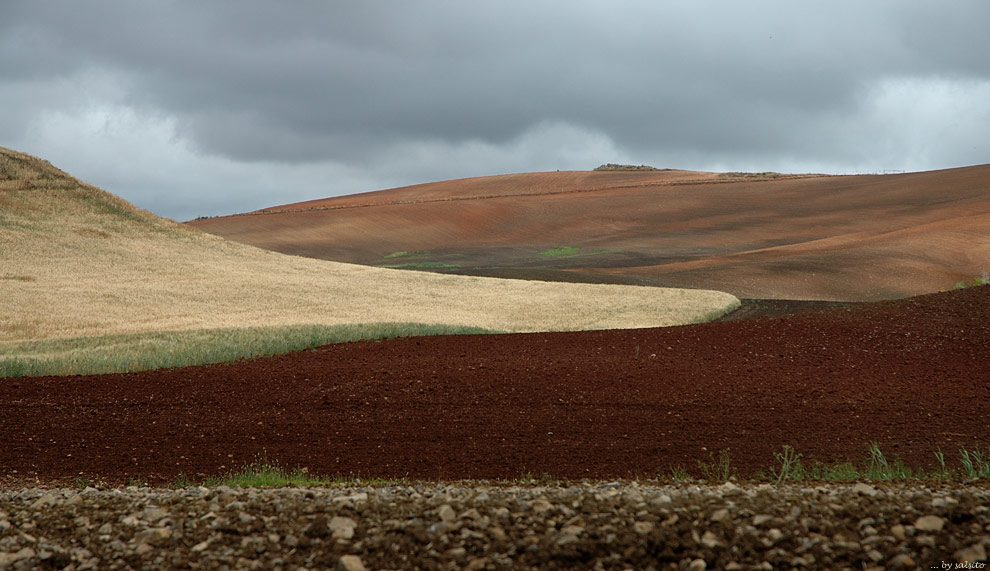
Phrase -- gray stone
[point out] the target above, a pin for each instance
(350, 563)
(929, 523)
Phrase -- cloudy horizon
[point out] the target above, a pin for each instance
(197, 109)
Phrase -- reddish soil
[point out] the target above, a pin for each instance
(837, 238)
(913, 375)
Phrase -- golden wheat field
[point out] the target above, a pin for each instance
(77, 261)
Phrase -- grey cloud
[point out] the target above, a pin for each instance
(305, 82)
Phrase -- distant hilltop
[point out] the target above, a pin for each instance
(615, 167)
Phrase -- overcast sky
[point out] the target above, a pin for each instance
(191, 108)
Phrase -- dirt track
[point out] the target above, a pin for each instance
(911, 374)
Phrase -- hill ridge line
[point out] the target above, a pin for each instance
(277, 210)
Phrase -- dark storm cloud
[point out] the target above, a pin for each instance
(300, 82)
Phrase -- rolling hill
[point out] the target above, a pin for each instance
(76, 261)
(765, 235)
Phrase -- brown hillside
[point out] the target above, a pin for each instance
(852, 238)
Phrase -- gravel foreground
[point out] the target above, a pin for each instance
(589, 525)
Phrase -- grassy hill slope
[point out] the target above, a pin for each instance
(78, 262)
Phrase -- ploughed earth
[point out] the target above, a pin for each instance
(912, 375)
(765, 235)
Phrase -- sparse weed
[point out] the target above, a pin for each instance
(974, 464)
(878, 468)
(717, 469)
(975, 282)
(136, 481)
(840, 472)
(943, 472)
(791, 467)
(82, 482)
(679, 475)
(182, 481)
(263, 473)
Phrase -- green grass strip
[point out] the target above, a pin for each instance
(560, 251)
(167, 349)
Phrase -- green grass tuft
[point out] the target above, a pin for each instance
(421, 266)
(560, 251)
(264, 473)
(975, 465)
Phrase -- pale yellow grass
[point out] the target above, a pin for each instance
(76, 261)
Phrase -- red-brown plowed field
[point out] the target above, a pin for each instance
(845, 238)
(913, 375)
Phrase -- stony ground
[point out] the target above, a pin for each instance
(472, 525)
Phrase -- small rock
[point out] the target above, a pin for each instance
(456, 553)
(117, 545)
(943, 502)
(202, 545)
(343, 527)
(720, 515)
(498, 534)
(9, 558)
(929, 523)
(760, 519)
(153, 535)
(447, 513)
(471, 514)
(570, 534)
(864, 490)
(540, 506)
(698, 565)
(153, 514)
(973, 553)
(875, 555)
(633, 496)
(898, 532)
(710, 540)
(477, 564)
(350, 563)
(44, 502)
(903, 561)
(661, 500)
(643, 527)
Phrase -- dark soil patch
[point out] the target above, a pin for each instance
(911, 375)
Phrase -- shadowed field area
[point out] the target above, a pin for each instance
(805, 237)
